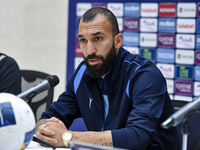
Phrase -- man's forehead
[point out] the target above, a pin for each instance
(100, 25)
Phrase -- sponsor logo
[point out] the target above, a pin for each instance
(120, 23)
(148, 39)
(166, 40)
(184, 87)
(81, 8)
(131, 24)
(165, 55)
(198, 41)
(166, 69)
(185, 41)
(116, 8)
(185, 72)
(130, 39)
(186, 25)
(197, 73)
(196, 88)
(167, 25)
(170, 86)
(197, 60)
(148, 54)
(198, 25)
(185, 57)
(198, 10)
(186, 9)
(132, 50)
(167, 10)
(149, 10)
(148, 24)
(103, 5)
(78, 50)
(77, 61)
(132, 9)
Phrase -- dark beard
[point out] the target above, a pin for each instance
(97, 71)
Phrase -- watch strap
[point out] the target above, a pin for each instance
(66, 142)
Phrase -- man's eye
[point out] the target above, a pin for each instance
(98, 38)
(82, 40)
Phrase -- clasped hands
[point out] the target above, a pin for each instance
(51, 132)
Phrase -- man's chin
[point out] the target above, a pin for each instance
(94, 66)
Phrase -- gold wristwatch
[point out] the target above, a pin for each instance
(66, 138)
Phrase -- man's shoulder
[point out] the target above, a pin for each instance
(78, 73)
(6, 59)
(133, 59)
(81, 67)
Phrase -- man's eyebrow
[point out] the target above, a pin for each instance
(80, 36)
(97, 33)
(93, 34)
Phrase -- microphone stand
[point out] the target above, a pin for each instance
(185, 129)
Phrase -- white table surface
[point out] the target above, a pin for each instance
(36, 146)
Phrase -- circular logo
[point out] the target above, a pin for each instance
(180, 9)
(179, 56)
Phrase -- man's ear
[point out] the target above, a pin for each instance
(118, 40)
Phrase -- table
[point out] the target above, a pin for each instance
(36, 146)
(75, 145)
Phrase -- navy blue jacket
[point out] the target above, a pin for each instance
(10, 75)
(138, 104)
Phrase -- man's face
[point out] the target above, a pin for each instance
(99, 70)
(97, 45)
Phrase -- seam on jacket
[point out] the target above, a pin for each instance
(78, 77)
(132, 63)
(127, 87)
(127, 91)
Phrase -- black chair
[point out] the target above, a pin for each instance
(41, 101)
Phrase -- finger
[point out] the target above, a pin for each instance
(53, 119)
(46, 131)
(39, 130)
(48, 140)
(50, 119)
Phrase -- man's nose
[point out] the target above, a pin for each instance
(91, 48)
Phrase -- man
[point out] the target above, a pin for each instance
(122, 97)
(10, 76)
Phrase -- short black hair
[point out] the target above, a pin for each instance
(90, 15)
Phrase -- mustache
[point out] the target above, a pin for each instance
(93, 56)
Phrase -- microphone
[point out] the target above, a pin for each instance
(184, 113)
(49, 82)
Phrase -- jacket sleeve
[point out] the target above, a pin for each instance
(66, 107)
(147, 89)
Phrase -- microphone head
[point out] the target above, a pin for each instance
(53, 80)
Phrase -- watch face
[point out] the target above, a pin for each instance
(67, 136)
